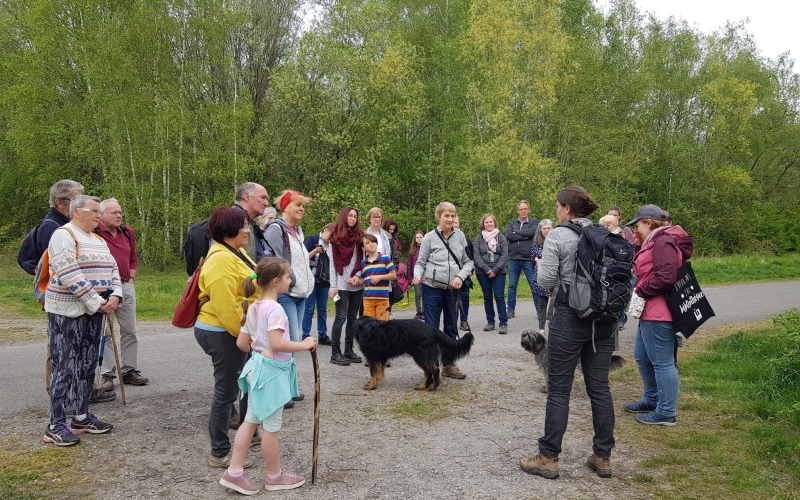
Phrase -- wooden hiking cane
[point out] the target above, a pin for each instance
(315, 446)
(116, 358)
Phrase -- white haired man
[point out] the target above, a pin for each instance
(121, 241)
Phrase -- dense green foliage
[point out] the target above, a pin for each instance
(169, 104)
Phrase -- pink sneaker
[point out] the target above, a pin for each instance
(240, 484)
(284, 481)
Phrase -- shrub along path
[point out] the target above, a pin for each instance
(463, 441)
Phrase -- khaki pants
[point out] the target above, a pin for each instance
(375, 307)
(125, 335)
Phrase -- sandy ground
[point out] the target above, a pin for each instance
(463, 441)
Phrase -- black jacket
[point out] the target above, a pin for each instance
(520, 237)
(34, 245)
(320, 263)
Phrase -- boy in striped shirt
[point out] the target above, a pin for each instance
(377, 271)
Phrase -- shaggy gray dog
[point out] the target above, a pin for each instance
(536, 343)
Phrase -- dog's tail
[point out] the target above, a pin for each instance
(455, 348)
(617, 362)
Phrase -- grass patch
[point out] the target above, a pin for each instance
(424, 405)
(746, 268)
(42, 473)
(738, 433)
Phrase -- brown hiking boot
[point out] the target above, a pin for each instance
(133, 377)
(540, 465)
(600, 465)
(452, 371)
(107, 384)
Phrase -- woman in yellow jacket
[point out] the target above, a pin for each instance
(218, 323)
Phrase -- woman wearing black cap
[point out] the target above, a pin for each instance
(664, 247)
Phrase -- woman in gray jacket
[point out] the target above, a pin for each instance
(442, 272)
(571, 340)
(491, 254)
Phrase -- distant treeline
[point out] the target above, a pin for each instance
(167, 105)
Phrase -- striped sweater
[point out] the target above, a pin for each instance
(380, 266)
(76, 283)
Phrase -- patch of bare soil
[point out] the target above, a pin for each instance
(463, 441)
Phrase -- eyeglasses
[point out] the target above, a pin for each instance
(90, 210)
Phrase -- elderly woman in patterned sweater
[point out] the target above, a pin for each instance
(84, 287)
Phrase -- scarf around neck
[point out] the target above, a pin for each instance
(343, 250)
(490, 237)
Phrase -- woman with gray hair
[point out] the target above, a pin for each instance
(269, 214)
(84, 287)
(542, 295)
(442, 267)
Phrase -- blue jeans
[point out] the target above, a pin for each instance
(570, 340)
(653, 351)
(494, 287)
(515, 268)
(318, 298)
(441, 302)
(463, 306)
(295, 310)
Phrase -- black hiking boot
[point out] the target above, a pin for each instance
(350, 354)
(336, 356)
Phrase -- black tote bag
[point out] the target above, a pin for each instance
(687, 302)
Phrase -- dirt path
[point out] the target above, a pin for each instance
(463, 441)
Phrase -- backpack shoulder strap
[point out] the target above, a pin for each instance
(72, 233)
(575, 227)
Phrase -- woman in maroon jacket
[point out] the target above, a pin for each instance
(663, 250)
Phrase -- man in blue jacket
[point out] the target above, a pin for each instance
(34, 245)
(520, 233)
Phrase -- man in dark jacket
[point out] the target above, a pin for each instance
(252, 198)
(61, 193)
(520, 233)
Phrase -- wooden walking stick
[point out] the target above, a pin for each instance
(116, 358)
(315, 446)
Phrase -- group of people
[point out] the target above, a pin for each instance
(262, 280)
(90, 274)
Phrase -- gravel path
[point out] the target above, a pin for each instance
(462, 441)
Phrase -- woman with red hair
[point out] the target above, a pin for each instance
(345, 253)
(284, 238)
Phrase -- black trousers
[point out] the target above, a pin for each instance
(228, 361)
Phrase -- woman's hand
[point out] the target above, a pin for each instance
(417, 280)
(491, 274)
(332, 293)
(456, 283)
(110, 305)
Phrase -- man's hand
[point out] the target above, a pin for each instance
(110, 305)
(456, 283)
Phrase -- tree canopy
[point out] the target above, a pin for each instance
(167, 105)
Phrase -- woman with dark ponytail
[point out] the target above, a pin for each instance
(572, 340)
